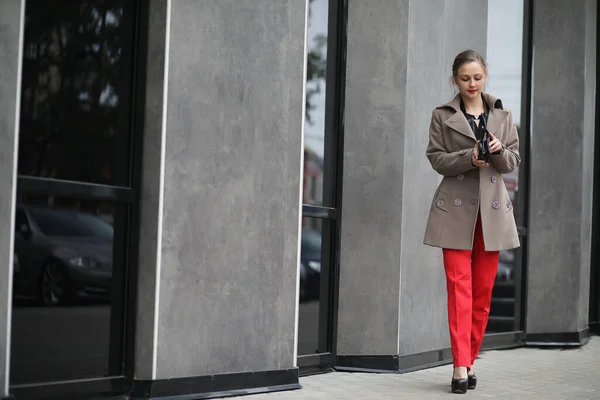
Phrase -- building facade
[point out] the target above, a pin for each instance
(211, 198)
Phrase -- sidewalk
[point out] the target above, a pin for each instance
(525, 373)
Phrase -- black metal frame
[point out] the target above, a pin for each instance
(76, 390)
(320, 212)
(516, 336)
(524, 136)
(58, 187)
(332, 192)
(137, 129)
(128, 196)
(504, 339)
(217, 386)
(562, 339)
(419, 361)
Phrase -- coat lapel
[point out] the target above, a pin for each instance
(495, 119)
(497, 115)
(458, 122)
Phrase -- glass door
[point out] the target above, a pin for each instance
(321, 196)
(509, 64)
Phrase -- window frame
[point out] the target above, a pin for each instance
(122, 340)
(332, 191)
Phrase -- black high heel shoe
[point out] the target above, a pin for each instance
(472, 382)
(459, 386)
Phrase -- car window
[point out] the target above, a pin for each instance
(311, 240)
(70, 223)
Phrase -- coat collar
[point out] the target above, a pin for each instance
(459, 123)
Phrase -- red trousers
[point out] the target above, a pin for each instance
(470, 276)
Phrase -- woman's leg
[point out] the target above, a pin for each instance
(485, 268)
(457, 264)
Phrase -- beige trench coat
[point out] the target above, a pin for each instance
(465, 189)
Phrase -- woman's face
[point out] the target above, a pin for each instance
(470, 79)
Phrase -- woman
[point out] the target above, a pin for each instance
(471, 216)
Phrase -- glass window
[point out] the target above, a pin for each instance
(71, 253)
(505, 70)
(71, 223)
(67, 321)
(310, 287)
(314, 122)
(76, 90)
(322, 130)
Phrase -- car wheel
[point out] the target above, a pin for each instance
(53, 286)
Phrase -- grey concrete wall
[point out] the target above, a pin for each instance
(227, 269)
(561, 167)
(151, 193)
(422, 280)
(423, 310)
(372, 178)
(589, 121)
(11, 30)
(392, 288)
(465, 27)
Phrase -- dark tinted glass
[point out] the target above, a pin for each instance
(70, 223)
(67, 320)
(310, 287)
(76, 90)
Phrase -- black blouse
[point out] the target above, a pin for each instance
(478, 129)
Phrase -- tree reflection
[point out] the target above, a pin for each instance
(316, 68)
(75, 91)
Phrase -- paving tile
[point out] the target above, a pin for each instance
(524, 374)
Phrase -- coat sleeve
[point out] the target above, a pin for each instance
(444, 162)
(508, 159)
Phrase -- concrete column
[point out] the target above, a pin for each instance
(149, 260)
(423, 306)
(561, 180)
(372, 180)
(11, 38)
(221, 197)
(392, 307)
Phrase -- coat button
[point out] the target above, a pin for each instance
(440, 203)
(508, 204)
(494, 179)
(458, 202)
(496, 205)
(460, 177)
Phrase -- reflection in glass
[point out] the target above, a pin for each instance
(63, 254)
(69, 255)
(310, 279)
(314, 123)
(503, 307)
(504, 58)
(76, 102)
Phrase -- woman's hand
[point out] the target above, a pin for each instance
(477, 163)
(495, 144)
